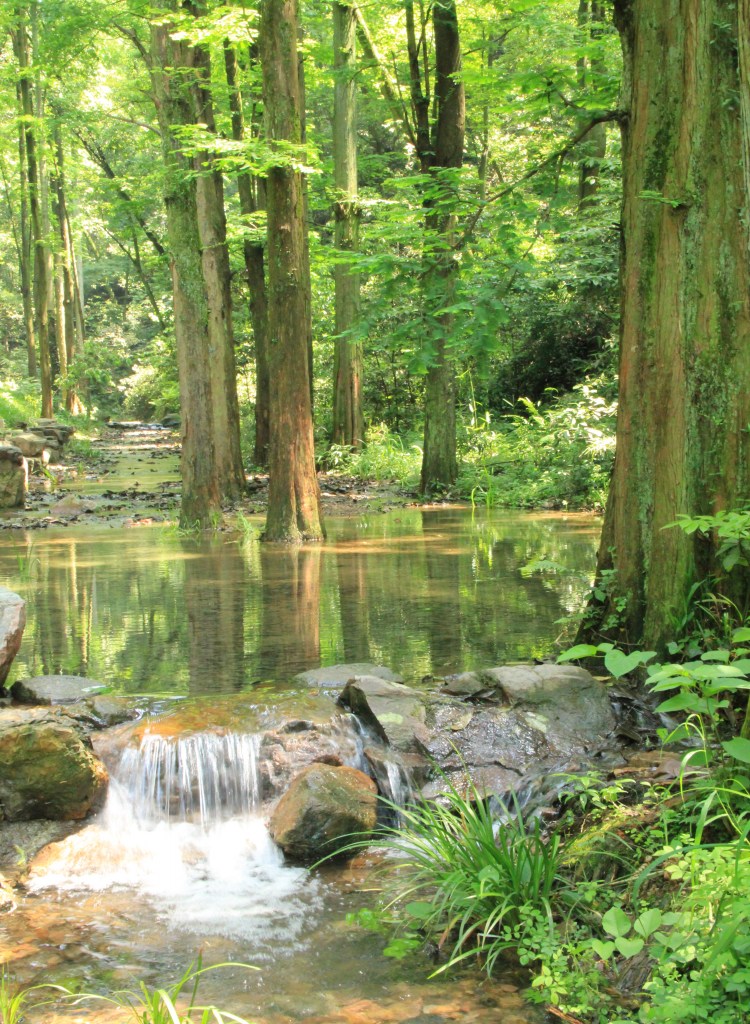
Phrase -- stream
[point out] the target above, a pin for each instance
(204, 627)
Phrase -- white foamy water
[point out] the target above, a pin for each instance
(182, 827)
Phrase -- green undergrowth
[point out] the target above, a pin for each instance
(634, 906)
(557, 454)
(20, 401)
(167, 1004)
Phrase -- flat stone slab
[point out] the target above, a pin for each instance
(337, 676)
(55, 689)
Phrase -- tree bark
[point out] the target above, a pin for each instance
(66, 328)
(41, 274)
(682, 439)
(254, 255)
(26, 267)
(211, 466)
(439, 462)
(348, 422)
(294, 496)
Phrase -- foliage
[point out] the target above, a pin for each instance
(555, 456)
(384, 456)
(162, 1005)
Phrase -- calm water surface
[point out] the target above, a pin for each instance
(424, 592)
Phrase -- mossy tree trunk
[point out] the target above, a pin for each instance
(33, 146)
(683, 443)
(211, 466)
(348, 423)
(439, 462)
(294, 496)
(251, 196)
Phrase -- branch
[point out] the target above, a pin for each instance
(389, 85)
(559, 154)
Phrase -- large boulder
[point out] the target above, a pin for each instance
(55, 689)
(565, 703)
(47, 767)
(394, 712)
(14, 477)
(323, 811)
(12, 622)
(335, 677)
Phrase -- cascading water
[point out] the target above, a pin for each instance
(182, 825)
(205, 778)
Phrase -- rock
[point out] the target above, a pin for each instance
(47, 768)
(55, 689)
(494, 736)
(172, 421)
(109, 710)
(337, 676)
(295, 744)
(566, 703)
(71, 506)
(14, 475)
(322, 812)
(12, 622)
(55, 428)
(21, 841)
(488, 780)
(393, 711)
(31, 445)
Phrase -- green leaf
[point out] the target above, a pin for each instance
(738, 748)
(619, 664)
(648, 922)
(577, 652)
(604, 950)
(616, 922)
(629, 947)
(681, 702)
(741, 635)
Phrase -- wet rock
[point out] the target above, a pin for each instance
(322, 809)
(31, 445)
(55, 689)
(172, 421)
(14, 475)
(21, 841)
(493, 736)
(286, 750)
(396, 773)
(337, 676)
(47, 767)
(567, 704)
(394, 712)
(488, 780)
(12, 622)
(109, 710)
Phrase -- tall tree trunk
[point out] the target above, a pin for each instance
(212, 230)
(439, 462)
(254, 255)
(210, 464)
(348, 423)
(294, 496)
(41, 275)
(66, 330)
(682, 439)
(26, 266)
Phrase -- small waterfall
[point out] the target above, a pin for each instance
(205, 778)
(182, 829)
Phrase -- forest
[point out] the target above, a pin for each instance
(469, 257)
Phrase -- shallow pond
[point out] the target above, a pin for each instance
(149, 612)
(425, 592)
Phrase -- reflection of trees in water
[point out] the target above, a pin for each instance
(352, 572)
(290, 589)
(423, 592)
(215, 587)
